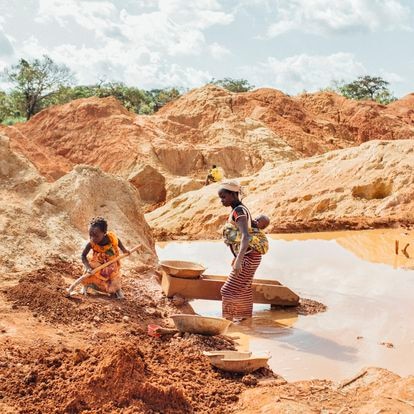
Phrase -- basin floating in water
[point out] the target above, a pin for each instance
(204, 325)
(182, 269)
(235, 361)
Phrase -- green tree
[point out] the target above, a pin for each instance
(4, 112)
(372, 88)
(66, 94)
(132, 98)
(36, 81)
(9, 114)
(157, 98)
(233, 85)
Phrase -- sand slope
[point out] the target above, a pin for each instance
(40, 220)
(369, 185)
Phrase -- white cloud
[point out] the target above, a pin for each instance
(140, 67)
(93, 15)
(176, 26)
(218, 51)
(6, 48)
(157, 32)
(166, 75)
(199, 14)
(133, 47)
(3, 65)
(338, 16)
(391, 77)
(152, 43)
(304, 72)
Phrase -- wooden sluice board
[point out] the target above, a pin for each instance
(208, 287)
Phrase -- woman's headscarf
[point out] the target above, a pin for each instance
(233, 186)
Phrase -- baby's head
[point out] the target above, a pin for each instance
(262, 221)
(98, 227)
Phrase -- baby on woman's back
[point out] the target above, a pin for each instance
(261, 222)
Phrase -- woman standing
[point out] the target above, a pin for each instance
(237, 294)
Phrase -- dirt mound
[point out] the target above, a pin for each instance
(121, 373)
(75, 196)
(40, 220)
(403, 108)
(16, 172)
(150, 184)
(353, 122)
(120, 377)
(181, 185)
(93, 131)
(240, 132)
(102, 133)
(309, 123)
(370, 185)
(19, 181)
(286, 117)
(373, 390)
(43, 292)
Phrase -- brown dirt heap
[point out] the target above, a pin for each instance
(40, 220)
(129, 375)
(240, 132)
(119, 378)
(370, 185)
(373, 390)
(94, 355)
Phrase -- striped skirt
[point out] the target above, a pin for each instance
(236, 293)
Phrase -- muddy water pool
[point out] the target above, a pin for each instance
(369, 291)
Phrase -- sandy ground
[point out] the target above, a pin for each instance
(93, 355)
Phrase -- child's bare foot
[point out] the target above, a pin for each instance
(119, 294)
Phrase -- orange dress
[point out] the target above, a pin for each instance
(108, 279)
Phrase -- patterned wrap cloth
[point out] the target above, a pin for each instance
(237, 293)
(257, 238)
(107, 280)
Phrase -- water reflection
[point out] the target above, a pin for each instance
(307, 342)
(356, 274)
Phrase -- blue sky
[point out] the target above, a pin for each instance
(291, 45)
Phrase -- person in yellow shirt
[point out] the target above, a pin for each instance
(215, 175)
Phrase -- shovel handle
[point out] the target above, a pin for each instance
(100, 267)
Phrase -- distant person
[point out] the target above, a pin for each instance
(237, 293)
(215, 175)
(105, 246)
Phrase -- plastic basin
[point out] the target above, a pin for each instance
(235, 361)
(203, 325)
(183, 269)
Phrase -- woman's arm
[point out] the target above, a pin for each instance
(241, 223)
